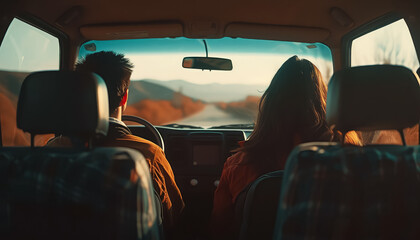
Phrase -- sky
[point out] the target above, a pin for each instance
(251, 68)
(254, 61)
(27, 49)
(392, 42)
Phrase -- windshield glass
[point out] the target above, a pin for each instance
(163, 92)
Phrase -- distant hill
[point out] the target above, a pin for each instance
(10, 83)
(156, 90)
(144, 89)
(155, 102)
(213, 92)
(159, 104)
(165, 111)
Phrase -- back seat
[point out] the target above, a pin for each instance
(255, 207)
(72, 193)
(333, 191)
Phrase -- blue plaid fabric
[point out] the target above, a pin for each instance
(105, 193)
(335, 192)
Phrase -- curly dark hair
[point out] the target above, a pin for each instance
(114, 68)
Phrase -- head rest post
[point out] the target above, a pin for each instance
(32, 140)
(401, 132)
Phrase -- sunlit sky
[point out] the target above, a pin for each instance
(27, 49)
(392, 45)
(251, 68)
(254, 61)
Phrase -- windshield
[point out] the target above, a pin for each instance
(165, 93)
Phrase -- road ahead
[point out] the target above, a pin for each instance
(212, 116)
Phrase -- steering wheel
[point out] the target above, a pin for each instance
(149, 126)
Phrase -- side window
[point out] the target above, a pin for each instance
(24, 49)
(391, 44)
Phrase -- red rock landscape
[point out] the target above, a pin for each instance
(159, 112)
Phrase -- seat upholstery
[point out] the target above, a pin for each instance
(334, 191)
(256, 207)
(73, 193)
(105, 193)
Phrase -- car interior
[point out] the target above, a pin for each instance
(200, 69)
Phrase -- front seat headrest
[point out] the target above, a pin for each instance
(378, 97)
(63, 102)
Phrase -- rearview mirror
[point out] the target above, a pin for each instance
(208, 63)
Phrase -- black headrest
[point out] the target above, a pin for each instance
(375, 97)
(63, 102)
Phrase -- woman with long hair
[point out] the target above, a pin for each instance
(292, 111)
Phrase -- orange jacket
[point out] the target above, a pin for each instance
(235, 177)
(162, 175)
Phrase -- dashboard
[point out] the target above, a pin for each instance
(197, 157)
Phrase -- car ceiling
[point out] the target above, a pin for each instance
(212, 19)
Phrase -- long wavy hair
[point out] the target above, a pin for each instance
(292, 110)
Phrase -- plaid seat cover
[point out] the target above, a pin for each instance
(105, 193)
(335, 192)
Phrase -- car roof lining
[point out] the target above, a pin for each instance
(132, 31)
(276, 32)
(242, 30)
(71, 15)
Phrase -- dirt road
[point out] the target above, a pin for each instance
(212, 116)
